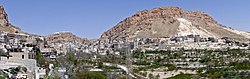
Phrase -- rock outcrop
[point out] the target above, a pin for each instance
(3, 17)
(5, 25)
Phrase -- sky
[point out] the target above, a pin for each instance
(90, 18)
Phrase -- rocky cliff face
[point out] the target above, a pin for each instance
(3, 17)
(170, 21)
(61, 37)
(4, 23)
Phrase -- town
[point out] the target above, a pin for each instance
(27, 56)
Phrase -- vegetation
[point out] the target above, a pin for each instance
(90, 75)
(219, 63)
(2, 77)
(228, 63)
(240, 65)
(40, 59)
(182, 76)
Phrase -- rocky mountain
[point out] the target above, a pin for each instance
(4, 23)
(171, 21)
(60, 37)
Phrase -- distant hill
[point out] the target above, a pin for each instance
(61, 37)
(171, 21)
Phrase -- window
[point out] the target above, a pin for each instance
(22, 56)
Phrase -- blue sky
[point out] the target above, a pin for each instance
(90, 18)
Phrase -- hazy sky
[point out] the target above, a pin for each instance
(90, 18)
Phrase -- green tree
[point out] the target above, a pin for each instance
(151, 76)
(40, 59)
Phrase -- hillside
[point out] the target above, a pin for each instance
(171, 21)
(61, 37)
